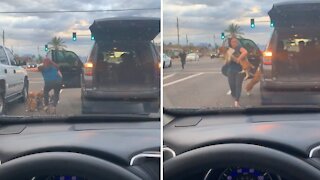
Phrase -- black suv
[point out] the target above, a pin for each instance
(70, 66)
(291, 62)
(122, 72)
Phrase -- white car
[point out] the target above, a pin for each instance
(192, 57)
(166, 61)
(14, 81)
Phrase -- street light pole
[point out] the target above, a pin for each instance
(3, 37)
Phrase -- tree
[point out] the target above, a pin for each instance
(57, 43)
(234, 31)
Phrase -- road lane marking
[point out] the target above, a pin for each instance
(183, 79)
(168, 76)
(36, 82)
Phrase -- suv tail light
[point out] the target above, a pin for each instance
(88, 69)
(267, 58)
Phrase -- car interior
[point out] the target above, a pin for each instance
(80, 148)
(258, 143)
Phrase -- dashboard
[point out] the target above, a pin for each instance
(132, 146)
(243, 138)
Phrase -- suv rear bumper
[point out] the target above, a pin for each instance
(100, 94)
(290, 86)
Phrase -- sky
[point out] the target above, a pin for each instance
(202, 20)
(26, 33)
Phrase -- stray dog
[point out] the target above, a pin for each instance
(254, 81)
(245, 64)
(34, 101)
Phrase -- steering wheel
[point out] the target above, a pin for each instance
(63, 163)
(235, 155)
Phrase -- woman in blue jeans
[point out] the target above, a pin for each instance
(52, 81)
(235, 78)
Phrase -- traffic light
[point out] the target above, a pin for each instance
(252, 23)
(46, 47)
(222, 36)
(74, 36)
(92, 37)
(271, 23)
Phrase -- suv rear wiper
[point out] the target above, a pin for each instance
(244, 110)
(90, 118)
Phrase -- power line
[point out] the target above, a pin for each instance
(77, 11)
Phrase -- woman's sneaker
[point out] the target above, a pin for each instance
(46, 108)
(229, 92)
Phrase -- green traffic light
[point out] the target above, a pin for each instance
(222, 36)
(271, 24)
(74, 36)
(92, 37)
(252, 23)
(46, 47)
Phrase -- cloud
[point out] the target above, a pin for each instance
(25, 32)
(203, 19)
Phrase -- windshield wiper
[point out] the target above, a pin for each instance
(90, 118)
(244, 110)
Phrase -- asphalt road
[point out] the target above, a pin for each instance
(201, 85)
(69, 103)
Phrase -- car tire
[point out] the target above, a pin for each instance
(3, 105)
(25, 91)
(170, 64)
(265, 99)
(85, 109)
(151, 107)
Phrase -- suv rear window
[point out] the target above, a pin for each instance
(123, 63)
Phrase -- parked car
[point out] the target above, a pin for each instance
(70, 66)
(192, 57)
(31, 65)
(14, 83)
(290, 67)
(167, 61)
(123, 67)
(214, 55)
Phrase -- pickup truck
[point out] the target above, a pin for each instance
(14, 81)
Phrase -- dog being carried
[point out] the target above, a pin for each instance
(245, 64)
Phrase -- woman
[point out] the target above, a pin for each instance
(235, 78)
(52, 80)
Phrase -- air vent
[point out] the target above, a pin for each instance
(150, 154)
(168, 153)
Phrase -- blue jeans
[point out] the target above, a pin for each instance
(56, 87)
(235, 80)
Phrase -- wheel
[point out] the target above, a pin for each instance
(60, 163)
(84, 106)
(2, 105)
(170, 64)
(265, 99)
(151, 107)
(25, 91)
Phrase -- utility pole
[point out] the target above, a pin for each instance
(178, 31)
(3, 38)
(187, 39)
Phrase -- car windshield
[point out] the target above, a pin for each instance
(80, 58)
(246, 54)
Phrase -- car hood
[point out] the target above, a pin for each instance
(126, 28)
(292, 14)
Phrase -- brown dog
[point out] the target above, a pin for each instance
(34, 101)
(245, 64)
(254, 81)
